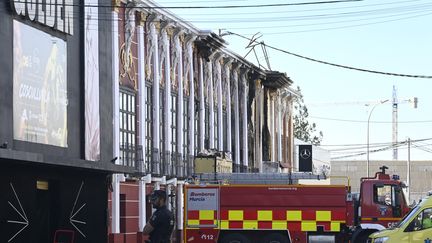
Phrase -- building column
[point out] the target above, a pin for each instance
(209, 81)
(220, 103)
(179, 70)
(258, 124)
(189, 67)
(201, 106)
(291, 135)
(236, 120)
(279, 128)
(227, 81)
(272, 127)
(115, 195)
(142, 119)
(165, 57)
(244, 99)
(153, 58)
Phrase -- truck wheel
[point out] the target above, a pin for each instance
(275, 238)
(235, 238)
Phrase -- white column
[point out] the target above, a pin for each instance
(115, 195)
(279, 127)
(244, 82)
(272, 127)
(180, 205)
(228, 104)
(258, 124)
(191, 98)
(236, 117)
(201, 105)
(142, 201)
(179, 70)
(167, 106)
(154, 58)
(209, 80)
(220, 105)
(142, 125)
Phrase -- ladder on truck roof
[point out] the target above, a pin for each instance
(257, 178)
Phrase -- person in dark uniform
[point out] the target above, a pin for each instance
(161, 223)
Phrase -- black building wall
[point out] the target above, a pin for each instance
(73, 201)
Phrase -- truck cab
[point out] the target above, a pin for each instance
(381, 204)
(415, 227)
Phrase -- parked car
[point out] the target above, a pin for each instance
(415, 227)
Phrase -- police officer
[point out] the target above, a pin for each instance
(161, 223)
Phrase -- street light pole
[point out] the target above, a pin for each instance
(367, 152)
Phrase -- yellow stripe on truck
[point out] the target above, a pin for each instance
(206, 214)
(235, 215)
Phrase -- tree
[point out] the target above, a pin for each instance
(303, 129)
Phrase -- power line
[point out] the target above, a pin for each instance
(361, 121)
(331, 22)
(399, 9)
(208, 7)
(304, 10)
(332, 64)
(347, 26)
(413, 140)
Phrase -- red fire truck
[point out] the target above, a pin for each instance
(277, 209)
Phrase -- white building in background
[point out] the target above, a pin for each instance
(320, 158)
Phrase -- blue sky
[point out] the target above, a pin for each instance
(387, 36)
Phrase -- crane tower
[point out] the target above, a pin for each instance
(395, 124)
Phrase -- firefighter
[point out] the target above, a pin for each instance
(161, 223)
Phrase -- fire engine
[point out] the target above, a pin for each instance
(275, 208)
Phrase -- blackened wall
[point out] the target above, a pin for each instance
(106, 80)
(6, 63)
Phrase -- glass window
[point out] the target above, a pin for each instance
(161, 124)
(148, 124)
(383, 194)
(127, 127)
(216, 128)
(424, 220)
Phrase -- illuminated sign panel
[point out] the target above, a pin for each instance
(57, 14)
(39, 87)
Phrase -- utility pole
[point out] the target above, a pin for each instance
(409, 170)
(395, 124)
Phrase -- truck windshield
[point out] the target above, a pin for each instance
(408, 216)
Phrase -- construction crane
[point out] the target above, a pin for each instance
(395, 103)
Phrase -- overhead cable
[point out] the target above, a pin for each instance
(333, 64)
